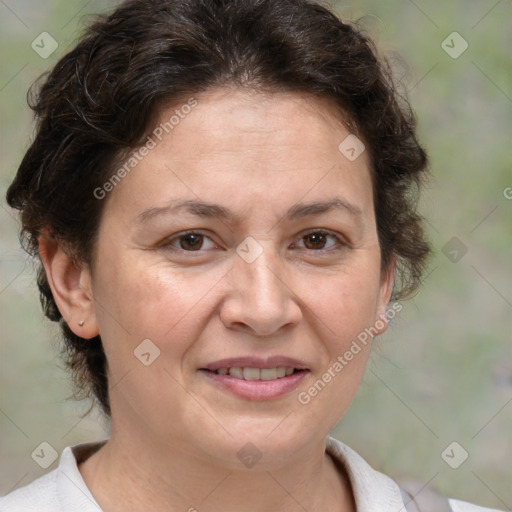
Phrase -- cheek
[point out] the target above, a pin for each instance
(139, 301)
(169, 308)
(347, 301)
(344, 311)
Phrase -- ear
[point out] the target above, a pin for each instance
(71, 286)
(386, 289)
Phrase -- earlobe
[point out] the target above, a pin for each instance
(71, 286)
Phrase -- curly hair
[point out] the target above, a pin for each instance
(101, 98)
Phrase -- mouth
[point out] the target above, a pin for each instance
(250, 373)
(256, 379)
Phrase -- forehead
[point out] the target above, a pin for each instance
(244, 145)
(250, 118)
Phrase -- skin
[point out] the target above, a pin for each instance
(175, 434)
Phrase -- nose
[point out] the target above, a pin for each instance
(260, 299)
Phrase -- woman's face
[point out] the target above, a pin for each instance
(271, 278)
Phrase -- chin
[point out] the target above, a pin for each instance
(260, 443)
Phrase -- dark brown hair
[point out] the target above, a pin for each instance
(102, 97)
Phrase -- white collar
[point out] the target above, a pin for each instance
(372, 490)
(73, 494)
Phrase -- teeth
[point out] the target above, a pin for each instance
(268, 373)
(257, 373)
(237, 372)
(251, 373)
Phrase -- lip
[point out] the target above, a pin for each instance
(256, 389)
(256, 362)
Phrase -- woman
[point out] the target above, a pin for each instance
(221, 195)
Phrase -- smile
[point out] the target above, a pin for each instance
(258, 384)
(248, 373)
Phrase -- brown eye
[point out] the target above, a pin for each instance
(191, 242)
(319, 240)
(315, 241)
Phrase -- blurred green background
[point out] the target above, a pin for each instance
(443, 371)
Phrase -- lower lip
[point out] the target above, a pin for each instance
(257, 389)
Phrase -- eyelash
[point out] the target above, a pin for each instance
(341, 243)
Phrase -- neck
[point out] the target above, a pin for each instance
(123, 475)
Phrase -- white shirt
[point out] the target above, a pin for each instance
(64, 490)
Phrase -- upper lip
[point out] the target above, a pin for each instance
(256, 362)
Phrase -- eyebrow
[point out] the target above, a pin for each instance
(212, 210)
